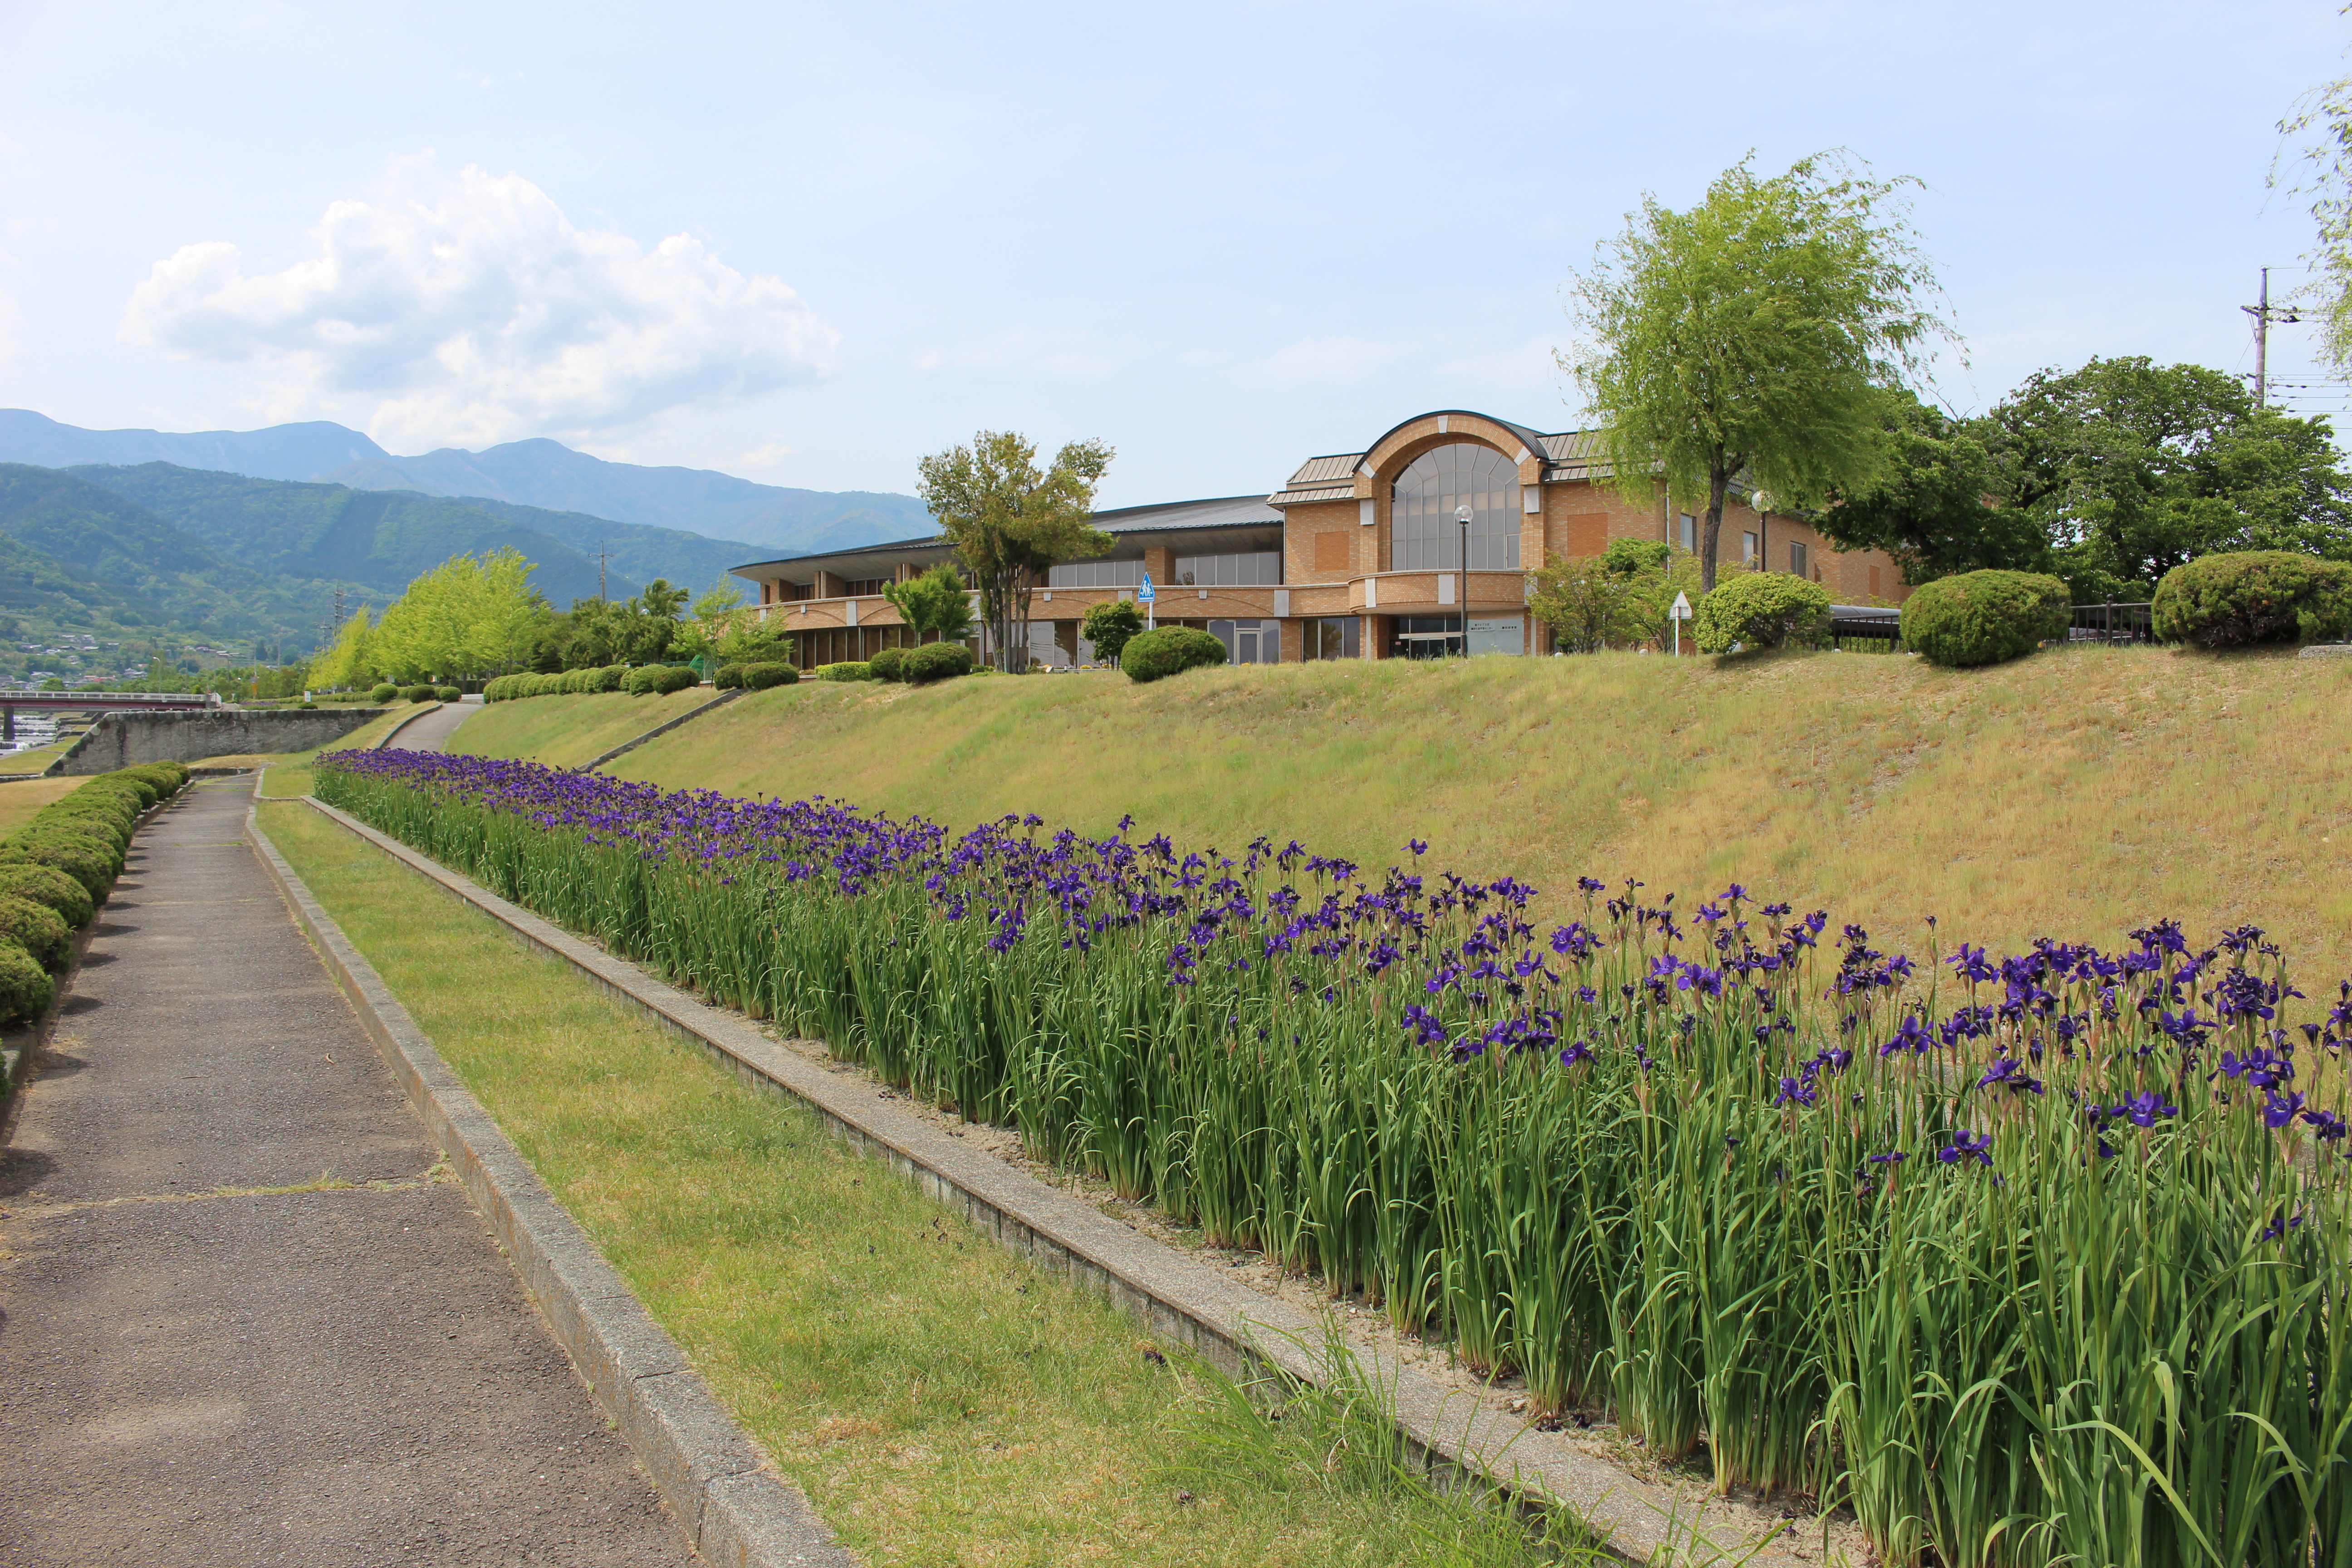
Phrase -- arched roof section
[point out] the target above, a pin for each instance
(1402, 443)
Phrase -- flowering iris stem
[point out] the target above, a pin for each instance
(2029, 1259)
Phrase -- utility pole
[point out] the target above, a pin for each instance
(2264, 315)
(603, 555)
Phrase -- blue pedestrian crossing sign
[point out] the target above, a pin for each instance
(1146, 594)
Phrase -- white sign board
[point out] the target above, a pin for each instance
(1681, 610)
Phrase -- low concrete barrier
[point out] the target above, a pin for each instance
(121, 740)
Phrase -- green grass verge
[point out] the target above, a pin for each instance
(565, 731)
(941, 1400)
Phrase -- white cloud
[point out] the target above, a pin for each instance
(478, 313)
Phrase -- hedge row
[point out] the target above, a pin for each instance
(644, 680)
(56, 870)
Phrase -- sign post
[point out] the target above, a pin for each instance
(1147, 597)
(1679, 613)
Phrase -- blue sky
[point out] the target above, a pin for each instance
(808, 244)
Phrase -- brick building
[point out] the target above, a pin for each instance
(1357, 556)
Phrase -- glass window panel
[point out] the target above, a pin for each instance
(1424, 535)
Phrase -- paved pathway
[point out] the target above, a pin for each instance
(432, 733)
(318, 1377)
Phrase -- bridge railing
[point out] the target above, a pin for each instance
(100, 699)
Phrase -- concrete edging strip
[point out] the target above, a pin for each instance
(721, 700)
(708, 1471)
(1175, 1296)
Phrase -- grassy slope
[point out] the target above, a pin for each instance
(564, 731)
(20, 800)
(941, 1400)
(2075, 794)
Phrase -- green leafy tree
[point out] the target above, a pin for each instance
(1111, 626)
(935, 604)
(1588, 606)
(2130, 469)
(347, 663)
(1009, 521)
(464, 617)
(1750, 335)
(1940, 508)
(2326, 120)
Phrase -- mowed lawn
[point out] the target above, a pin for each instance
(565, 731)
(2075, 794)
(941, 1400)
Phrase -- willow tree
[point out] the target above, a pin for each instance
(1010, 521)
(1748, 340)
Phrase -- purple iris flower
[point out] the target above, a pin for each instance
(1967, 1145)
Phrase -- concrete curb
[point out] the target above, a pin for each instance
(721, 700)
(1175, 1296)
(2326, 650)
(708, 1471)
(385, 744)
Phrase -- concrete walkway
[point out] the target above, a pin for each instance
(432, 733)
(193, 1374)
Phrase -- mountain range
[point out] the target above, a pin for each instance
(154, 550)
(774, 520)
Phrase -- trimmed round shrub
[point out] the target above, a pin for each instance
(165, 776)
(759, 677)
(96, 821)
(85, 860)
(1169, 650)
(416, 694)
(25, 986)
(847, 670)
(449, 693)
(730, 677)
(383, 694)
(609, 677)
(1984, 617)
(2251, 597)
(890, 664)
(38, 928)
(938, 661)
(660, 680)
(49, 888)
(1761, 609)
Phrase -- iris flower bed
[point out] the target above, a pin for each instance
(2028, 1259)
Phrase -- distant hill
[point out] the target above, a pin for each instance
(549, 474)
(379, 540)
(772, 519)
(281, 452)
(80, 555)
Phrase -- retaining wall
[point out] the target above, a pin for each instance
(120, 740)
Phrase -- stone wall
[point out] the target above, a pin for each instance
(120, 740)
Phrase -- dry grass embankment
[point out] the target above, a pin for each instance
(21, 798)
(565, 731)
(2075, 794)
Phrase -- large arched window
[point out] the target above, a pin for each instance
(1422, 533)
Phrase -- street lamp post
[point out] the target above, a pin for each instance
(1463, 514)
(1762, 501)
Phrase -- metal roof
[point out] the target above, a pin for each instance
(1164, 524)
